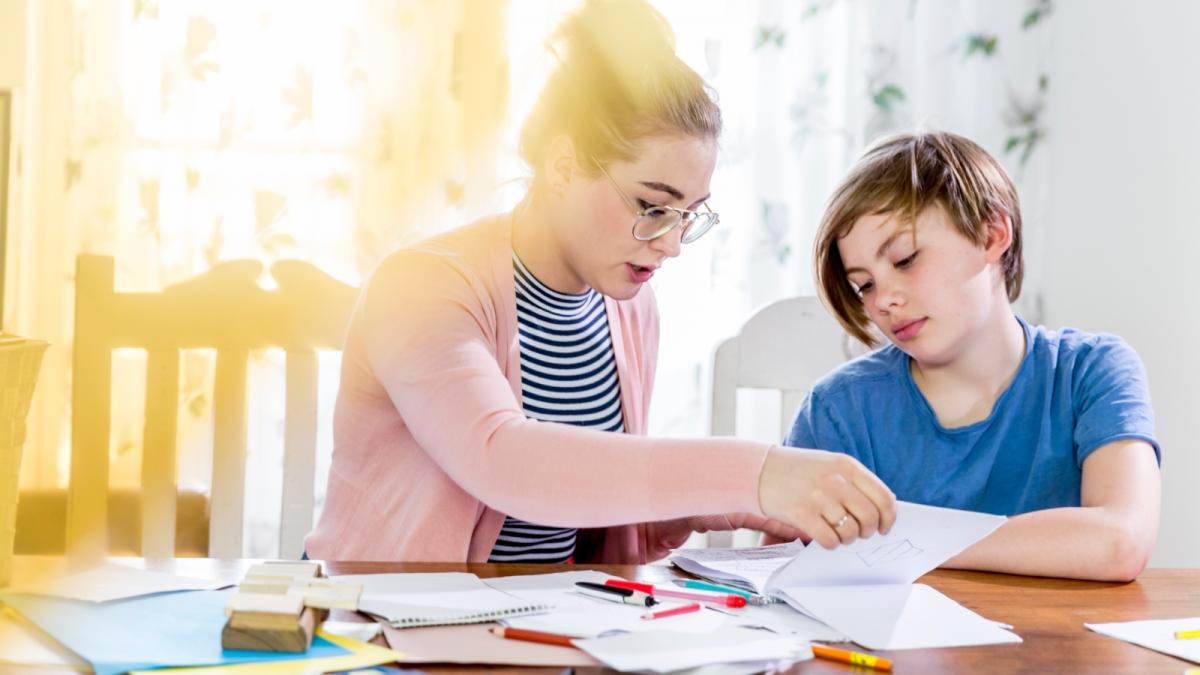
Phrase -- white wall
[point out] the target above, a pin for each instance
(1123, 236)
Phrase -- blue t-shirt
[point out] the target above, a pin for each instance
(1073, 393)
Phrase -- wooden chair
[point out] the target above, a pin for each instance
(224, 309)
(787, 346)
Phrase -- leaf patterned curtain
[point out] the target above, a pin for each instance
(804, 88)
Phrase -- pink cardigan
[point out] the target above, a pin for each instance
(432, 449)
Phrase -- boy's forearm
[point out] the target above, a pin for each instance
(1094, 543)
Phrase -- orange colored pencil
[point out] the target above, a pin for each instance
(854, 658)
(535, 636)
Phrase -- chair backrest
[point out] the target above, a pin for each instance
(224, 309)
(787, 346)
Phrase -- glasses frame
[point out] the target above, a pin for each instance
(686, 217)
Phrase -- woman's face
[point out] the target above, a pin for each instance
(596, 228)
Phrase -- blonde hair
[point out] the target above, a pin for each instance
(617, 82)
(906, 174)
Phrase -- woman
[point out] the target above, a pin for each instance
(496, 379)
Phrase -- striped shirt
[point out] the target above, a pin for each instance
(568, 375)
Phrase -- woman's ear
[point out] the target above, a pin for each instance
(560, 165)
(999, 237)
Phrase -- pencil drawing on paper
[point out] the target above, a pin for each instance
(889, 553)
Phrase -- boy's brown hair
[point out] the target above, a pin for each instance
(906, 174)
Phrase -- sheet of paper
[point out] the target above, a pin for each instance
(899, 616)
(474, 644)
(361, 655)
(436, 598)
(922, 538)
(22, 644)
(114, 582)
(167, 629)
(783, 619)
(1156, 634)
(747, 568)
(665, 651)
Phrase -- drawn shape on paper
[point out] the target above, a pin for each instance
(890, 553)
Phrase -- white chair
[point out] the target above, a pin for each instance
(224, 309)
(787, 346)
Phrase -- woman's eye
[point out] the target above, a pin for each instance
(905, 263)
(652, 210)
(864, 288)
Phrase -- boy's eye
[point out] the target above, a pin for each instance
(905, 263)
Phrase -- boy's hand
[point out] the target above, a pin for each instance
(830, 496)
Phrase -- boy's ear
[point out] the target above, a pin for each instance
(561, 164)
(999, 237)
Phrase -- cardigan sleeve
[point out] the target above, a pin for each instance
(429, 327)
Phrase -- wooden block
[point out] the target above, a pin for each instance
(284, 605)
(268, 632)
(329, 596)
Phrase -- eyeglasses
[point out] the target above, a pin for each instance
(655, 221)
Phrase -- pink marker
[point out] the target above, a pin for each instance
(726, 599)
(681, 609)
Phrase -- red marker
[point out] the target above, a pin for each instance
(681, 609)
(726, 599)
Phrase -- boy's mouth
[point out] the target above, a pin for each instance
(907, 330)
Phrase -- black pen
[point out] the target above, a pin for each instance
(614, 594)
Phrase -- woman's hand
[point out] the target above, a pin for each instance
(665, 536)
(829, 496)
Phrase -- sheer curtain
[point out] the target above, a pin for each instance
(175, 135)
(804, 87)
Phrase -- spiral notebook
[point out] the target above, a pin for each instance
(436, 599)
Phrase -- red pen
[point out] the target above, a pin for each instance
(729, 600)
(681, 609)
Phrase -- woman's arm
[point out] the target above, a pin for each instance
(428, 338)
(1108, 538)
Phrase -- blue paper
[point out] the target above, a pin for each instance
(154, 631)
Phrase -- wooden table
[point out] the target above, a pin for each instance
(1047, 613)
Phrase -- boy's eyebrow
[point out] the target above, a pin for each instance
(882, 248)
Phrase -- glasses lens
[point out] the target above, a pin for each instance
(655, 222)
(701, 224)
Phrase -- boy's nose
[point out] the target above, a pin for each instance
(888, 296)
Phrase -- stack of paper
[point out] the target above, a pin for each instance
(864, 589)
(436, 599)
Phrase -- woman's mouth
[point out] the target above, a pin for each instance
(639, 274)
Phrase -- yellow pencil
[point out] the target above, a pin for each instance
(855, 658)
(1187, 634)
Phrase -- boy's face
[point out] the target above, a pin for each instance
(931, 293)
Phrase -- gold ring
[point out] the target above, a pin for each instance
(845, 519)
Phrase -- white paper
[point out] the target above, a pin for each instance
(1158, 635)
(781, 618)
(436, 598)
(746, 568)
(114, 582)
(664, 651)
(922, 538)
(21, 644)
(899, 616)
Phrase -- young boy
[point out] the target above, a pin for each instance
(969, 406)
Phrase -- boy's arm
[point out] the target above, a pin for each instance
(1108, 538)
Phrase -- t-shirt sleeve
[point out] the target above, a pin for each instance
(818, 426)
(1112, 398)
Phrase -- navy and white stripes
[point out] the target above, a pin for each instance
(568, 375)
